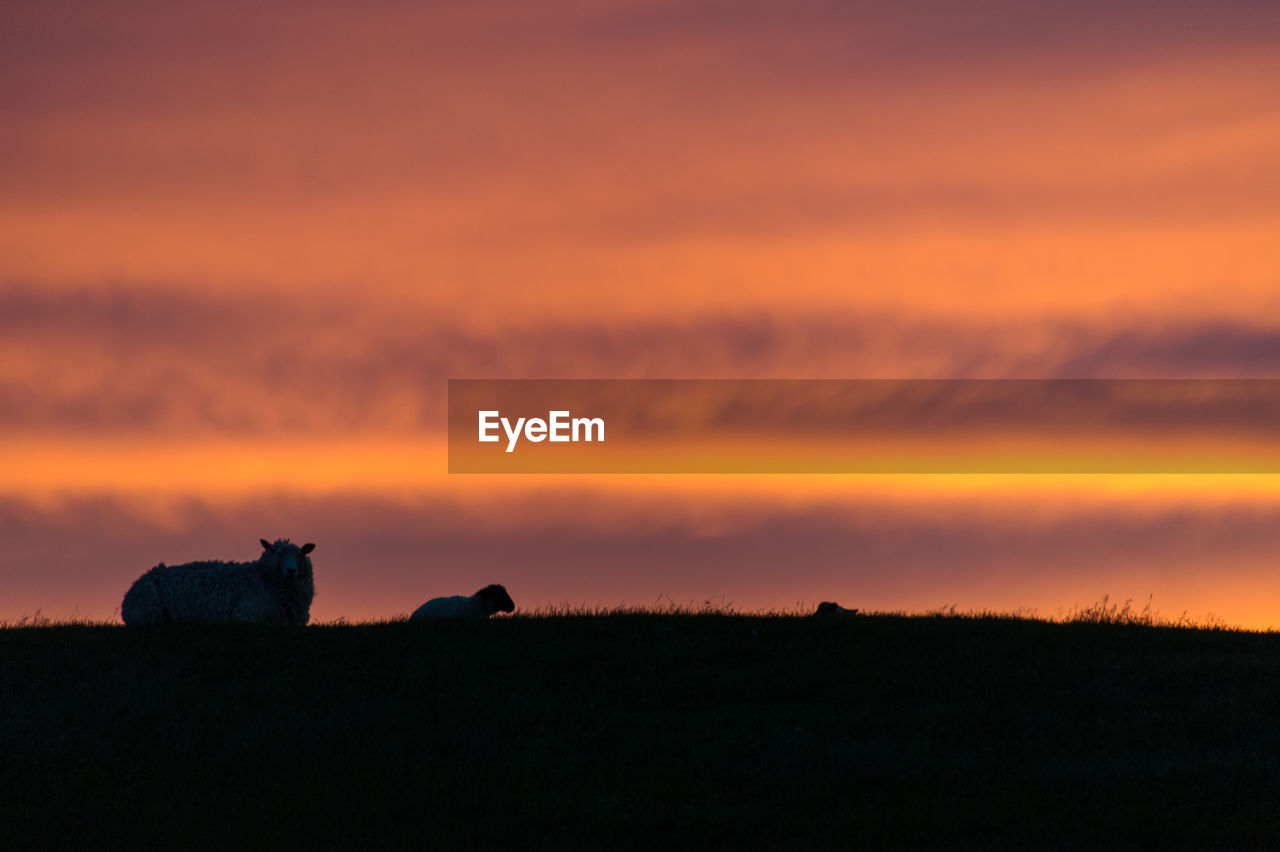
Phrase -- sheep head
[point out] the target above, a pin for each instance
(496, 598)
(291, 559)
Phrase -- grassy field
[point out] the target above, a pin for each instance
(641, 731)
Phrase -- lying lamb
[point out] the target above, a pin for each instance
(277, 589)
(482, 604)
(832, 608)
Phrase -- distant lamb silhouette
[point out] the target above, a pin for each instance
(482, 604)
(833, 608)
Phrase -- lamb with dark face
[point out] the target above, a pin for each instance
(276, 589)
(833, 608)
(482, 604)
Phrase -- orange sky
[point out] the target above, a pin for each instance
(243, 247)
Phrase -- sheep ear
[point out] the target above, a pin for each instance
(307, 548)
(266, 545)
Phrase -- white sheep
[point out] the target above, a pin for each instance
(277, 589)
(482, 604)
(833, 608)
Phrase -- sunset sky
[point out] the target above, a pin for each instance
(244, 246)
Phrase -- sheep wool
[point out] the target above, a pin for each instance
(276, 589)
(482, 604)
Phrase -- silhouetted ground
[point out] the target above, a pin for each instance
(641, 731)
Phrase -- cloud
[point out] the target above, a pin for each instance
(1210, 348)
(379, 556)
(141, 360)
(179, 141)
